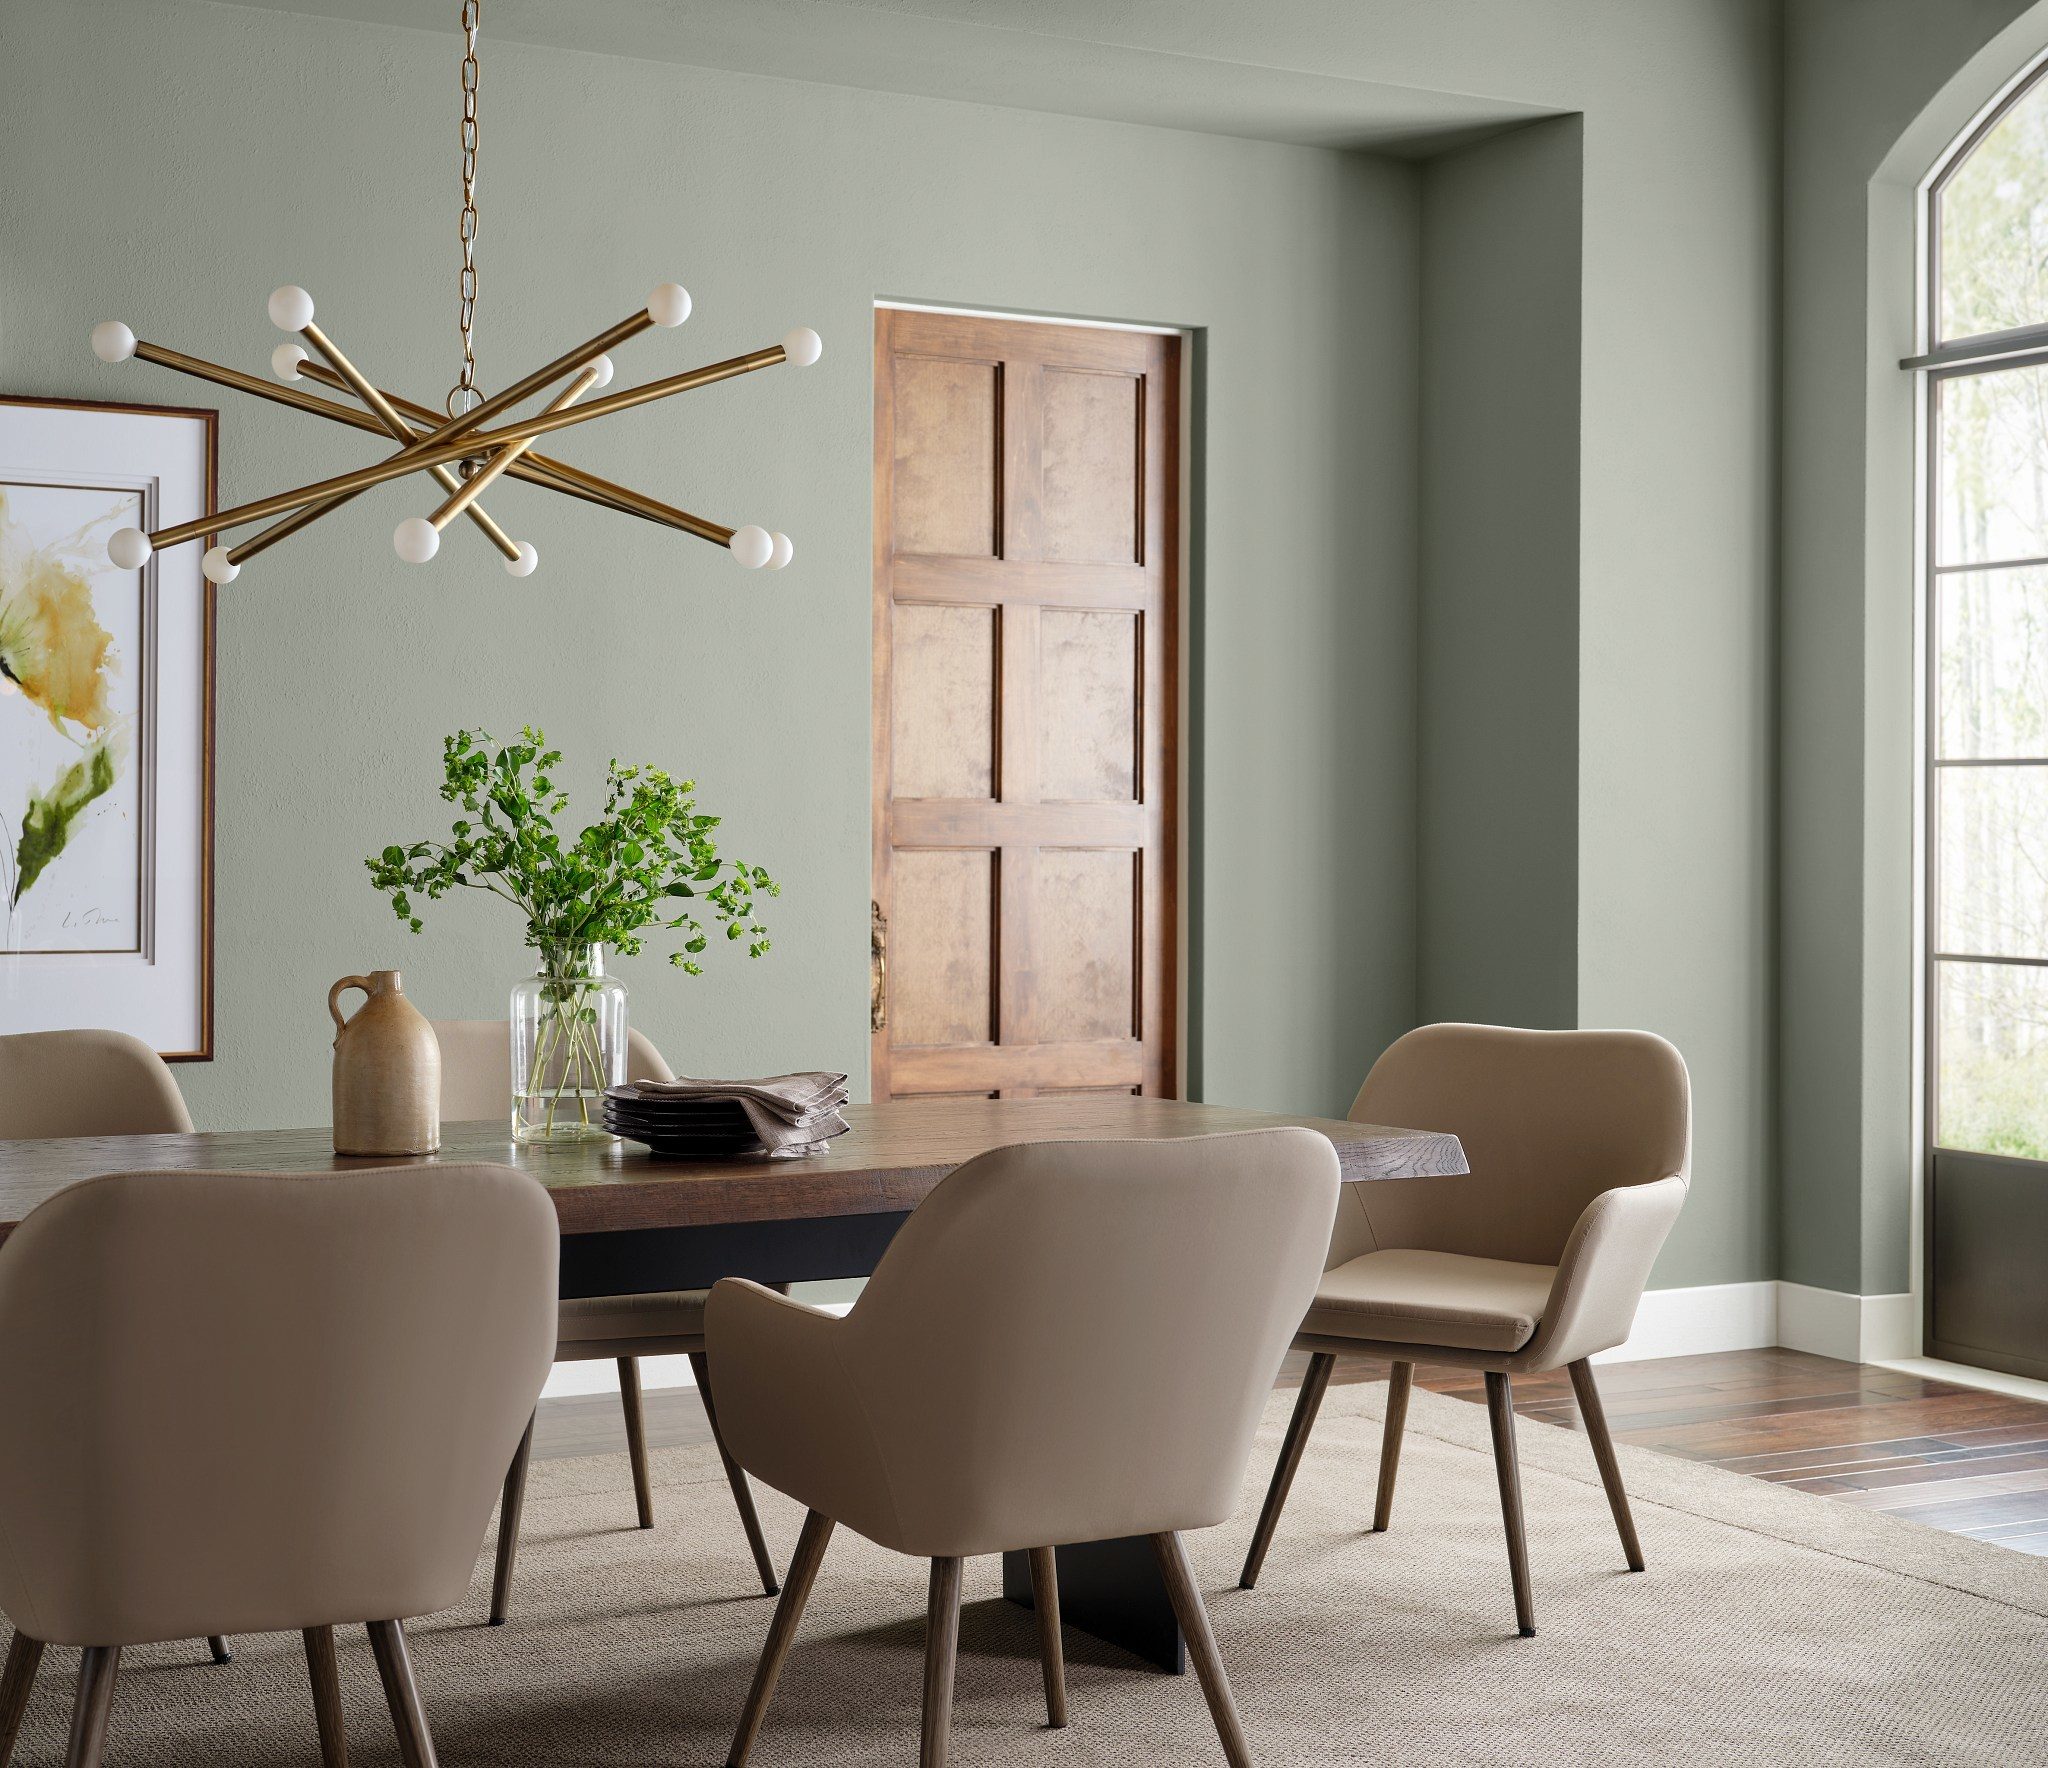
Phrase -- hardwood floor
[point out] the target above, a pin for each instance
(1954, 1458)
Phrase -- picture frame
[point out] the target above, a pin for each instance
(107, 711)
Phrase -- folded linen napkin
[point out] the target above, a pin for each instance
(789, 1112)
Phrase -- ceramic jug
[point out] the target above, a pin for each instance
(387, 1071)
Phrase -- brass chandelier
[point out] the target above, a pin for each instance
(463, 455)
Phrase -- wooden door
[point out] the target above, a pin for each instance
(1027, 511)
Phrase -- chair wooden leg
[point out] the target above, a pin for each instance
(1045, 1600)
(223, 1653)
(97, 1671)
(941, 1654)
(24, 1658)
(636, 1438)
(1193, 1616)
(1594, 1416)
(321, 1671)
(509, 1509)
(803, 1573)
(735, 1477)
(1306, 1405)
(1500, 1414)
(402, 1694)
(1398, 1386)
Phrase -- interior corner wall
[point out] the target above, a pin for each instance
(1498, 626)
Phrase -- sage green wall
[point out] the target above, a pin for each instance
(1874, 92)
(1497, 841)
(174, 161)
(170, 163)
(1676, 873)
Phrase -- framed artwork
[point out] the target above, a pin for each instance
(106, 725)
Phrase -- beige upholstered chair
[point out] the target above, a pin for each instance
(476, 1083)
(1580, 1146)
(1035, 1363)
(90, 1083)
(373, 1345)
(86, 1083)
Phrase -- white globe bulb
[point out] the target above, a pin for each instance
(218, 567)
(785, 550)
(285, 360)
(752, 546)
(802, 347)
(669, 304)
(603, 366)
(128, 548)
(291, 308)
(525, 563)
(112, 341)
(416, 540)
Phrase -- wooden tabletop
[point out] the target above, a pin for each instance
(894, 1154)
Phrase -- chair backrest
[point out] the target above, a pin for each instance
(86, 1083)
(240, 1402)
(1548, 1119)
(476, 1067)
(1076, 1340)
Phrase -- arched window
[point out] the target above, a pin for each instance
(1986, 522)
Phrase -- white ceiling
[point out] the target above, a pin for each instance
(883, 48)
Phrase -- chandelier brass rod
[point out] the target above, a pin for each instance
(441, 431)
(400, 431)
(202, 370)
(533, 469)
(463, 498)
(559, 475)
(427, 453)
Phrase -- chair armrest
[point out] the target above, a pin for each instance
(1601, 1276)
(790, 1407)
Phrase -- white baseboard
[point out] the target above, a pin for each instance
(1856, 1328)
(1689, 1322)
(1747, 1316)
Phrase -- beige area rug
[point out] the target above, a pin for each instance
(1772, 1627)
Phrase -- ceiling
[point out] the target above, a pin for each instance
(880, 47)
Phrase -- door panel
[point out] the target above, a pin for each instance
(942, 979)
(1026, 605)
(944, 728)
(947, 456)
(1090, 668)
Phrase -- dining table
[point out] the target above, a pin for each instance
(633, 1221)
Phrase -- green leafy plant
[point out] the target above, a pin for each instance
(650, 861)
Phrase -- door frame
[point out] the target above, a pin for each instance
(1187, 737)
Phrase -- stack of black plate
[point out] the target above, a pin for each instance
(696, 1129)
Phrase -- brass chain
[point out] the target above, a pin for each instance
(464, 391)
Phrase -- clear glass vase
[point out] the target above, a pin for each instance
(568, 1045)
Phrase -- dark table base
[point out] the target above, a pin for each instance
(1111, 1589)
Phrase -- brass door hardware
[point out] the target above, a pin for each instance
(878, 968)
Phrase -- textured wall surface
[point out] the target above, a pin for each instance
(170, 163)
(135, 188)
(1497, 804)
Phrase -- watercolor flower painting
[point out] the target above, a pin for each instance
(68, 706)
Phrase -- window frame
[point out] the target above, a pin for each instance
(1941, 361)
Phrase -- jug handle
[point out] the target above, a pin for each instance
(335, 993)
